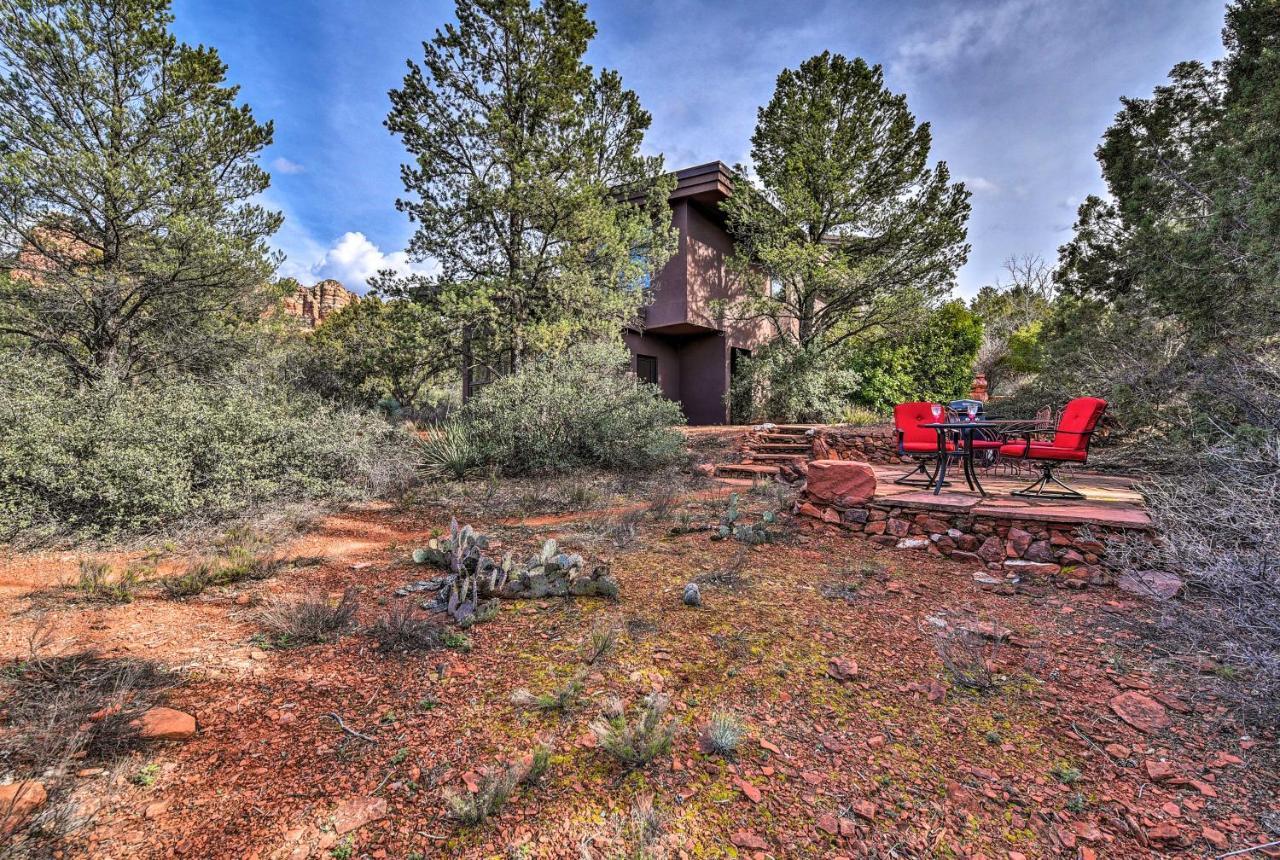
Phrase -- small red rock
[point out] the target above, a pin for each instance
(1140, 711)
(165, 724)
(843, 668)
(828, 823)
(1216, 838)
(1158, 770)
(752, 793)
(1164, 831)
(748, 840)
(18, 801)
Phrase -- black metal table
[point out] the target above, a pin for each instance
(965, 430)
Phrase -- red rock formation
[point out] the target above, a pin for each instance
(311, 305)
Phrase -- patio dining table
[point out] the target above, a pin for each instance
(965, 429)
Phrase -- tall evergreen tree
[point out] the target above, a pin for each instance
(527, 183)
(126, 171)
(855, 228)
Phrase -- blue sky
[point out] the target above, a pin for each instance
(1018, 93)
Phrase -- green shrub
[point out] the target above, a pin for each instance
(579, 407)
(112, 460)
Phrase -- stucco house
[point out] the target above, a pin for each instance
(681, 344)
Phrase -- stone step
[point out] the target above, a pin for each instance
(782, 447)
(792, 429)
(777, 457)
(746, 469)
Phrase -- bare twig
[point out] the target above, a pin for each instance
(1249, 850)
(348, 729)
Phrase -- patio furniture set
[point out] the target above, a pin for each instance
(934, 435)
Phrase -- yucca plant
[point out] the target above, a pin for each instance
(722, 734)
(446, 452)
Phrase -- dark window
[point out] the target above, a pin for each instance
(647, 368)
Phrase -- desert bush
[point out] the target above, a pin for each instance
(722, 734)
(111, 460)
(579, 407)
(639, 741)
(968, 658)
(496, 785)
(192, 581)
(403, 628)
(1217, 527)
(98, 582)
(312, 620)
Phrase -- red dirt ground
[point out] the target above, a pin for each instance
(898, 762)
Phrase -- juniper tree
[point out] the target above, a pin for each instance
(526, 183)
(845, 215)
(126, 174)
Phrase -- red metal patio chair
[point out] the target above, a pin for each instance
(916, 442)
(1070, 444)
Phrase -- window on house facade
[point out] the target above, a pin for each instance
(642, 281)
(647, 368)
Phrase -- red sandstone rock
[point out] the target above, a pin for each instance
(18, 801)
(1017, 542)
(810, 510)
(748, 840)
(1158, 770)
(356, 812)
(992, 549)
(1142, 712)
(843, 668)
(165, 724)
(843, 483)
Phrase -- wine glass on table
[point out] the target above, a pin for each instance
(936, 409)
(973, 410)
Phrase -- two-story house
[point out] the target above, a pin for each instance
(684, 346)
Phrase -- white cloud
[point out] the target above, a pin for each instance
(353, 259)
(980, 185)
(284, 165)
(974, 32)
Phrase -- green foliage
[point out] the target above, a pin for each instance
(731, 525)
(313, 620)
(846, 213)
(496, 785)
(570, 409)
(376, 349)
(934, 362)
(518, 153)
(192, 581)
(560, 700)
(146, 776)
(127, 175)
(109, 460)
(1013, 315)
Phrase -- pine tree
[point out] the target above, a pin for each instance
(126, 171)
(526, 183)
(846, 216)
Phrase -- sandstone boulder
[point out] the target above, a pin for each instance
(18, 801)
(843, 483)
(165, 724)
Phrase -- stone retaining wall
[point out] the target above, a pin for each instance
(874, 444)
(1070, 554)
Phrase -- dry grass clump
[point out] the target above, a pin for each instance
(313, 620)
(638, 741)
(403, 629)
(562, 700)
(495, 787)
(722, 734)
(969, 658)
(600, 643)
(99, 583)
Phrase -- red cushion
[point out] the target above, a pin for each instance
(907, 418)
(1042, 451)
(924, 447)
(986, 444)
(1079, 417)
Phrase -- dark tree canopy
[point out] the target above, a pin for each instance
(126, 174)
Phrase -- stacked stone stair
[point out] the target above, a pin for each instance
(766, 451)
